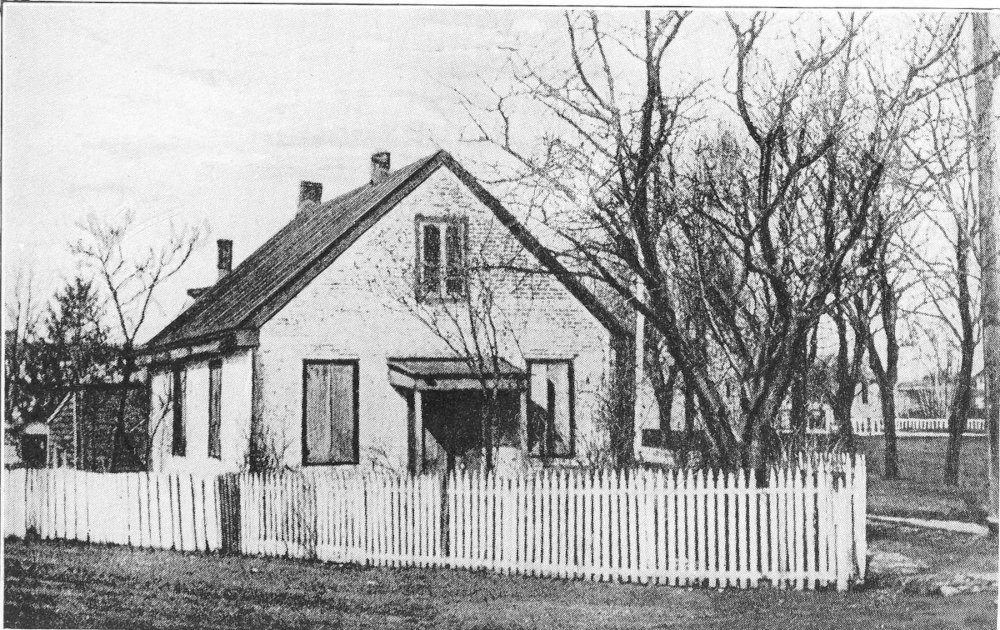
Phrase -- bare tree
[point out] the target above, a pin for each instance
(22, 370)
(802, 387)
(878, 303)
(130, 281)
(771, 219)
(948, 161)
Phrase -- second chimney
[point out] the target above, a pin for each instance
(380, 166)
(310, 194)
(225, 257)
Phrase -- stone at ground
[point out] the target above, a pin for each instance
(948, 584)
(883, 564)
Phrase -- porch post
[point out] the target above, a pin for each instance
(523, 425)
(418, 433)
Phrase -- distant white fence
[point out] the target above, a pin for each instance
(804, 529)
(823, 424)
(876, 426)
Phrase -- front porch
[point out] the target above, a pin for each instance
(447, 401)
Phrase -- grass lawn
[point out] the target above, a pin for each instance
(920, 492)
(50, 584)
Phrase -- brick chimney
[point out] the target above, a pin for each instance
(225, 257)
(310, 194)
(380, 166)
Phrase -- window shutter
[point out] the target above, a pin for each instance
(179, 437)
(455, 253)
(341, 387)
(560, 433)
(430, 278)
(550, 409)
(537, 408)
(330, 419)
(215, 409)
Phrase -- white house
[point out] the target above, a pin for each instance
(327, 345)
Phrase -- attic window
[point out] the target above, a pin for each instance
(440, 267)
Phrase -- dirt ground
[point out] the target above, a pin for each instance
(57, 585)
(920, 492)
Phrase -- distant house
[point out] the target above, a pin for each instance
(308, 353)
(79, 433)
(932, 396)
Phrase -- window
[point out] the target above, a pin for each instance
(440, 257)
(816, 420)
(214, 409)
(179, 381)
(550, 409)
(330, 412)
(864, 392)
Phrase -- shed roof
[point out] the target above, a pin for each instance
(448, 368)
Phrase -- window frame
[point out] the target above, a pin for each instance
(178, 396)
(215, 408)
(459, 222)
(571, 379)
(355, 364)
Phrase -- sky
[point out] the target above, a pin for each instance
(211, 115)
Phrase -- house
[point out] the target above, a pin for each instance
(932, 396)
(340, 340)
(79, 433)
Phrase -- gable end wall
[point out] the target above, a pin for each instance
(359, 308)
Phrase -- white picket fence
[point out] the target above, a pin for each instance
(160, 511)
(921, 426)
(804, 529)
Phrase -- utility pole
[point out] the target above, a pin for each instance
(989, 219)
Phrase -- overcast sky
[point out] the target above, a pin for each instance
(211, 115)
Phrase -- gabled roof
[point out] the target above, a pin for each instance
(269, 278)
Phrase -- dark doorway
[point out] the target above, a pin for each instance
(34, 449)
(454, 419)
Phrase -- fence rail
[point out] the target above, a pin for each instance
(804, 528)
(919, 427)
(876, 426)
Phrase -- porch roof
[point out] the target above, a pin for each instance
(450, 373)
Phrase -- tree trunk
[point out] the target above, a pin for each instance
(799, 403)
(118, 441)
(622, 429)
(886, 394)
(663, 390)
(799, 412)
(990, 248)
(848, 369)
(690, 413)
(958, 416)
(887, 374)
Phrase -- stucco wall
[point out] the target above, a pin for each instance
(234, 425)
(362, 307)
